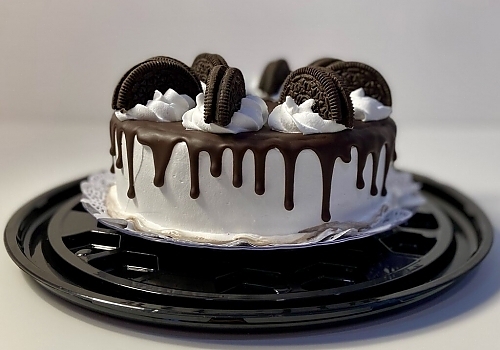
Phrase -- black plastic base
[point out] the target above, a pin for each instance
(66, 250)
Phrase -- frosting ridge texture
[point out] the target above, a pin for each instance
(168, 107)
(251, 116)
(367, 108)
(290, 118)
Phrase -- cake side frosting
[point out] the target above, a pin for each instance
(223, 211)
(369, 141)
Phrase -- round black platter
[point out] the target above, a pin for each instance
(54, 240)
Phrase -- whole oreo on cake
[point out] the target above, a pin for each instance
(119, 85)
(323, 62)
(273, 77)
(204, 63)
(359, 75)
(158, 73)
(331, 99)
(225, 89)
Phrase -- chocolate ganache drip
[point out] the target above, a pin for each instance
(367, 138)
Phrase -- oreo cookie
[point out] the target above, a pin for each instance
(346, 107)
(323, 62)
(157, 73)
(331, 99)
(203, 64)
(214, 80)
(359, 75)
(273, 76)
(117, 88)
(223, 95)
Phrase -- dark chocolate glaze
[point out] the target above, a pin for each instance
(367, 137)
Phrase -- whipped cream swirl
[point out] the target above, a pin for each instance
(288, 117)
(251, 117)
(367, 108)
(168, 107)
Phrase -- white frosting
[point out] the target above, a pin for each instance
(251, 117)
(367, 108)
(168, 107)
(222, 208)
(290, 118)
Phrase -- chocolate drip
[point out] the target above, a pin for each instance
(290, 160)
(129, 139)
(194, 163)
(327, 156)
(119, 156)
(368, 138)
(260, 171)
(373, 189)
(360, 183)
(327, 173)
(238, 167)
(216, 162)
(112, 150)
(161, 158)
(390, 148)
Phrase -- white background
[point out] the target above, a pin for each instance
(60, 61)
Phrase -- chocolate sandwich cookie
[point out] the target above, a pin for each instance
(346, 107)
(224, 92)
(118, 86)
(331, 100)
(359, 75)
(323, 62)
(158, 73)
(214, 80)
(273, 76)
(203, 64)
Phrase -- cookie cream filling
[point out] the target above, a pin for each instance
(168, 107)
(289, 117)
(251, 116)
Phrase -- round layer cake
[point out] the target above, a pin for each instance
(194, 183)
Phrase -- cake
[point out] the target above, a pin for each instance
(197, 158)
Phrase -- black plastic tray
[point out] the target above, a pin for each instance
(54, 240)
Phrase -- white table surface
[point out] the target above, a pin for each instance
(61, 60)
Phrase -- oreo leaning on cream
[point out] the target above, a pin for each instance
(225, 89)
(359, 75)
(159, 73)
(273, 77)
(203, 64)
(323, 62)
(331, 100)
